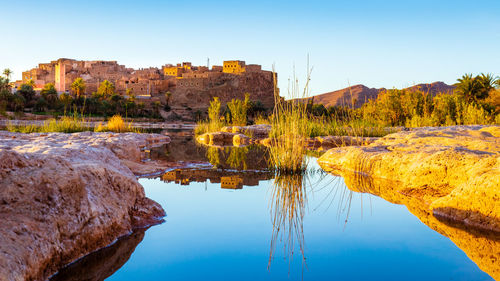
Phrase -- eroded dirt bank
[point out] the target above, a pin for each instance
(63, 196)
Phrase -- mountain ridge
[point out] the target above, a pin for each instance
(359, 94)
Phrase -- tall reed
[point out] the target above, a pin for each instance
(289, 127)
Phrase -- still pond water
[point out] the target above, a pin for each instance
(248, 230)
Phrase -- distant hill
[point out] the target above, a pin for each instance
(360, 94)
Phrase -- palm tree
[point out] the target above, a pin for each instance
(78, 86)
(66, 100)
(488, 81)
(31, 83)
(49, 93)
(106, 89)
(469, 87)
(7, 72)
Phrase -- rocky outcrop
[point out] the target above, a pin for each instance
(455, 171)
(63, 196)
(255, 131)
(259, 134)
(235, 135)
(323, 143)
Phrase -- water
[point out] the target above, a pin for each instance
(214, 233)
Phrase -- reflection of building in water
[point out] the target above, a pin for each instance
(227, 179)
(231, 182)
(172, 175)
(176, 176)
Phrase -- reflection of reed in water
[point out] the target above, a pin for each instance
(287, 212)
(342, 194)
(213, 156)
(338, 195)
(289, 205)
(237, 158)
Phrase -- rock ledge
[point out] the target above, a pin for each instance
(63, 196)
(455, 170)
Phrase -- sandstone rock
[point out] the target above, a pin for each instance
(267, 141)
(240, 139)
(258, 131)
(253, 131)
(63, 196)
(216, 138)
(221, 137)
(454, 170)
(336, 141)
(203, 139)
(227, 129)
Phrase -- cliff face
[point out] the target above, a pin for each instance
(63, 196)
(448, 177)
(259, 85)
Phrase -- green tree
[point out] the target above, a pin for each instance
(4, 83)
(6, 98)
(117, 102)
(18, 103)
(7, 73)
(27, 92)
(256, 108)
(214, 115)
(318, 110)
(106, 89)
(40, 105)
(488, 83)
(78, 87)
(49, 93)
(31, 83)
(239, 110)
(66, 100)
(470, 88)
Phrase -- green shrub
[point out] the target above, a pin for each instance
(238, 109)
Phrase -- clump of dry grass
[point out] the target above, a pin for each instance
(116, 124)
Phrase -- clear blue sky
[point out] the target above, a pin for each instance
(376, 43)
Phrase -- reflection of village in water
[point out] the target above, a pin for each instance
(227, 179)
